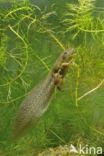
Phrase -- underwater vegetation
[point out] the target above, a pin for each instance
(31, 39)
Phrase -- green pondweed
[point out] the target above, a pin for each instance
(27, 54)
(17, 24)
(80, 19)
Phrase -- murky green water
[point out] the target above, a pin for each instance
(32, 37)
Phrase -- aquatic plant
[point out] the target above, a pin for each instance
(31, 40)
(17, 25)
(3, 55)
(84, 20)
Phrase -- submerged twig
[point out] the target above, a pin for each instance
(54, 133)
(92, 90)
(56, 39)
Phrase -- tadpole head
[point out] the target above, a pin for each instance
(68, 54)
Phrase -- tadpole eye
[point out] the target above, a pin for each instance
(65, 55)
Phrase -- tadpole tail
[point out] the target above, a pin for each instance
(33, 106)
